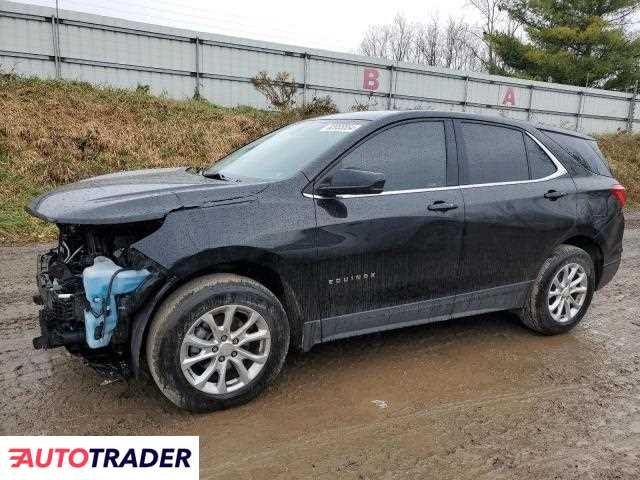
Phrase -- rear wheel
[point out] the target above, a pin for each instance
(217, 342)
(562, 292)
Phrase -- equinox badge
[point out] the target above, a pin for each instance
(352, 278)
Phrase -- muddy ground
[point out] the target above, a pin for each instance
(478, 398)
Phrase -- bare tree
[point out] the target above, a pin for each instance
(452, 45)
(394, 41)
(427, 42)
(490, 11)
(402, 39)
(376, 42)
(494, 20)
(458, 51)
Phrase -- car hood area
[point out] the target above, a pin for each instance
(136, 196)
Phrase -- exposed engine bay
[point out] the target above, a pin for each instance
(90, 286)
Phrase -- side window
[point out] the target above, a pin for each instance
(493, 154)
(539, 162)
(411, 156)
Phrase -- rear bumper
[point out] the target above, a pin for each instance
(608, 272)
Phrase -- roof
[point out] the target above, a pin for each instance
(389, 115)
(564, 131)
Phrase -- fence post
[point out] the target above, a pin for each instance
(53, 45)
(466, 94)
(305, 77)
(580, 106)
(58, 39)
(391, 83)
(531, 89)
(55, 37)
(197, 91)
(632, 108)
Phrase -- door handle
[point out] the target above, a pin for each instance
(441, 206)
(554, 195)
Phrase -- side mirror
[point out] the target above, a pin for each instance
(349, 181)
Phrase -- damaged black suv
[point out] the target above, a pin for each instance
(327, 228)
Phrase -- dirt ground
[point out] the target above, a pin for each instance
(479, 398)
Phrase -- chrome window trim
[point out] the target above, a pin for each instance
(560, 171)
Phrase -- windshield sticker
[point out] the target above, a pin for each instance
(342, 127)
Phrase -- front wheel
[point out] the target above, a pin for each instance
(562, 292)
(217, 342)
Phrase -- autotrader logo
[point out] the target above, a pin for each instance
(99, 457)
(71, 458)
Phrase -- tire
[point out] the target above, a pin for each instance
(170, 343)
(537, 314)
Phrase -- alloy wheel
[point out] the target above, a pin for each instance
(567, 292)
(225, 349)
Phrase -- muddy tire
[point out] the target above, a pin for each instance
(217, 342)
(562, 292)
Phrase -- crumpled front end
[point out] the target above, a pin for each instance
(90, 286)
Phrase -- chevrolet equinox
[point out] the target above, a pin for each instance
(327, 228)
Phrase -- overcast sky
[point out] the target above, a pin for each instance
(329, 24)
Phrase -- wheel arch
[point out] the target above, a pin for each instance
(260, 266)
(591, 246)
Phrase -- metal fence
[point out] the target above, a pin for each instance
(182, 63)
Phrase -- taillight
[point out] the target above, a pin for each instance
(620, 193)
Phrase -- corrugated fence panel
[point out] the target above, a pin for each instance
(564, 121)
(180, 86)
(174, 62)
(225, 92)
(516, 115)
(556, 101)
(27, 67)
(124, 48)
(337, 75)
(596, 125)
(429, 86)
(483, 93)
(226, 61)
(610, 107)
(26, 35)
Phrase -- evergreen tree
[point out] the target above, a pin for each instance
(576, 42)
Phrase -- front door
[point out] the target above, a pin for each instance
(392, 258)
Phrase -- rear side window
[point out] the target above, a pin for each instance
(540, 164)
(585, 151)
(411, 156)
(493, 154)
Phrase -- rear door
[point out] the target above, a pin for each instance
(394, 249)
(519, 203)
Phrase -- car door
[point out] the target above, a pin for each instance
(392, 257)
(519, 202)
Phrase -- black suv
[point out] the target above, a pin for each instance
(324, 229)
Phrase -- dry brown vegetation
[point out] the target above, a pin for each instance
(52, 133)
(623, 152)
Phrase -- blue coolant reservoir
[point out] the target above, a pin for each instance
(102, 318)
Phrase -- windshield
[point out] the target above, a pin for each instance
(285, 152)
